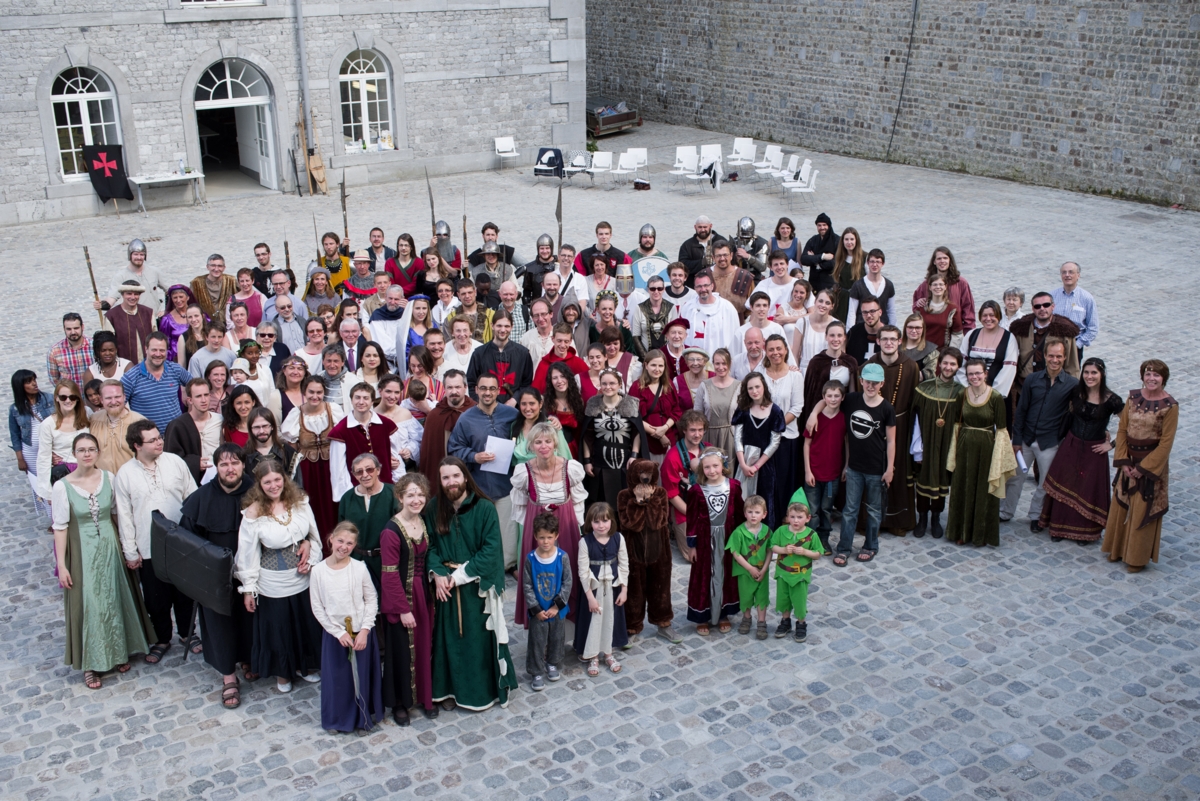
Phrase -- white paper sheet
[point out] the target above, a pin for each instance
(503, 450)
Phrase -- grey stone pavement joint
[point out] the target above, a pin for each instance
(1031, 671)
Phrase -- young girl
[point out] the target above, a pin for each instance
(344, 602)
(758, 426)
(603, 574)
(750, 544)
(714, 507)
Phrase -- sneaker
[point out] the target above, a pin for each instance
(669, 634)
(761, 634)
(784, 628)
(801, 632)
(633, 639)
(552, 673)
(744, 626)
(538, 684)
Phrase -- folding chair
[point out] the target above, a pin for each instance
(577, 161)
(810, 190)
(601, 162)
(626, 165)
(506, 148)
(744, 151)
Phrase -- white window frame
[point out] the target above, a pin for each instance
(245, 85)
(218, 3)
(355, 87)
(87, 103)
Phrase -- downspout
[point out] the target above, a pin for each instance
(903, 81)
(305, 101)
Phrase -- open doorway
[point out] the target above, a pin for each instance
(233, 117)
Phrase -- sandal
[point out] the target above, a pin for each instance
(124, 668)
(231, 695)
(157, 652)
(702, 629)
(593, 668)
(193, 644)
(724, 626)
(248, 676)
(865, 555)
(92, 679)
(612, 663)
(840, 560)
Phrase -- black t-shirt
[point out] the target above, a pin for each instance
(867, 428)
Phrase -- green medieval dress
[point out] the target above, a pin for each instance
(935, 407)
(471, 661)
(369, 520)
(981, 460)
(106, 620)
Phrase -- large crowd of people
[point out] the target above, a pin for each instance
(376, 444)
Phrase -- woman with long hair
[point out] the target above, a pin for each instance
(408, 428)
(319, 292)
(607, 303)
(420, 370)
(347, 309)
(613, 437)
(565, 404)
(1145, 437)
(405, 268)
(959, 291)
(589, 382)
(29, 408)
(758, 426)
(787, 389)
(658, 404)
(808, 337)
(998, 349)
(278, 544)
(715, 510)
(717, 400)
(791, 314)
(784, 239)
(372, 367)
(532, 411)
(548, 482)
(943, 320)
(193, 338)
(1077, 483)
(175, 322)
(307, 428)
(56, 436)
(849, 264)
(916, 347)
(217, 376)
(235, 425)
(292, 373)
(106, 620)
(419, 323)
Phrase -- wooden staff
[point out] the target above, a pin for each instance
(92, 275)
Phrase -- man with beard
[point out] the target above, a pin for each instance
(214, 512)
(194, 436)
(647, 244)
(496, 269)
(752, 250)
(935, 407)
(264, 443)
(361, 282)
(71, 357)
(471, 309)
(531, 274)
(109, 425)
(901, 375)
(135, 269)
(445, 248)
(696, 251)
(389, 329)
(603, 247)
(715, 321)
(472, 666)
(1033, 330)
(818, 254)
(441, 421)
(131, 322)
(491, 233)
(379, 252)
(733, 283)
(333, 260)
(214, 289)
(152, 387)
(509, 361)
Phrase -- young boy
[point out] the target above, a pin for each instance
(547, 579)
(750, 545)
(871, 421)
(825, 453)
(797, 546)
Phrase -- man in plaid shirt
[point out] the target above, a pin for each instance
(71, 357)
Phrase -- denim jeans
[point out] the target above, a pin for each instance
(820, 504)
(857, 485)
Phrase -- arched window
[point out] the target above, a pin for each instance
(85, 113)
(366, 110)
(231, 82)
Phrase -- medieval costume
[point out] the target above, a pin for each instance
(657, 408)
(735, 285)
(344, 601)
(820, 270)
(645, 527)
(471, 662)
(407, 661)
(756, 437)
(603, 569)
(718, 406)
(350, 439)
(310, 434)
(712, 587)
(1077, 484)
(900, 379)
(648, 327)
(1031, 341)
(981, 459)
(512, 367)
(713, 325)
(192, 444)
(213, 304)
(1145, 436)
(369, 514)
(131, 331)
(565, 498)
(438, 425)
(935, 407)
(611, 437)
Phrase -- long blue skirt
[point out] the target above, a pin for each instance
(340, 710)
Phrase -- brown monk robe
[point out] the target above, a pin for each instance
(900, 379)
(645, 527)
(438, 425)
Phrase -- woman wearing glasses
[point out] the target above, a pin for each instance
(56, 436)
(369, 507)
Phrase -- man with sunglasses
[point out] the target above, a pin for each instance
(281, 287)
(648, 322)
(1032, 331)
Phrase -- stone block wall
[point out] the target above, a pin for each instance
(1079, 94)
(462, 73)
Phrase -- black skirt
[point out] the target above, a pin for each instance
(287, 638)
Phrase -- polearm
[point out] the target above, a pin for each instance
(287, 254)
(92, 275)
(432, 213)
(558, 214)
(464, 250)
(317, 236)
(345, 218)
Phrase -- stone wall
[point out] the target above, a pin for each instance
(463, 73)
(1093, 96)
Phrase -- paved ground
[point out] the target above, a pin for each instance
(1034, 670)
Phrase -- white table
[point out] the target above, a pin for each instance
(195, 178)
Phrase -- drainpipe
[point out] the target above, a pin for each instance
(304, 96)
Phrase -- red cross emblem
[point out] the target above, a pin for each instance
(105, 164)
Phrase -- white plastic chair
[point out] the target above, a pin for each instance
(641, 157)
(626, 165)
(793, 164)
(687, 162)
(802, 180)
(601, 162)
(809, 190)
(744, 151)
(709, 154)
(774, 164)
(506, 148)
(769, 161)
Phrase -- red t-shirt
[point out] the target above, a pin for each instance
(827, 452)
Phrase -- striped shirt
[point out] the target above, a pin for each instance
(156, 399)
(63, 361)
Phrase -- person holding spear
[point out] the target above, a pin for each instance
(134, 269)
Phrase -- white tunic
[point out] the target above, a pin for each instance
(555, 493)
(345, 593)
(138, 492)
(266, 532)
(714, 325)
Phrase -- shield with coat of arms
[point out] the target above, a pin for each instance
(646, 268)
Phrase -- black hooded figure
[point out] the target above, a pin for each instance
(820, 270)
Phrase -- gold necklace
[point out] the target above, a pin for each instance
(941, 410)
(285, 521)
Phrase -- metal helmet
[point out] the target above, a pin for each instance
(746, 228)
(546, 239)
(624, 278)
(135, 246)
(441, 228)
(647, 230)
(490, 248)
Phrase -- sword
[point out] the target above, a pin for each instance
(95, 292)
(432, 213)
(354, 668)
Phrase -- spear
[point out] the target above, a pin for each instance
(345, 219)
(464, 250)
(558, 214)
(92, 275)
(287, 254)
(316, 236)
(432, 213)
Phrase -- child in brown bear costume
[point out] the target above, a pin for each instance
(643, 512)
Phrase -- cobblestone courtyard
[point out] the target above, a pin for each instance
(1033, 670)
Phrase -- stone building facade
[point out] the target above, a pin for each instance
(423, 83)
(1083, 94)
